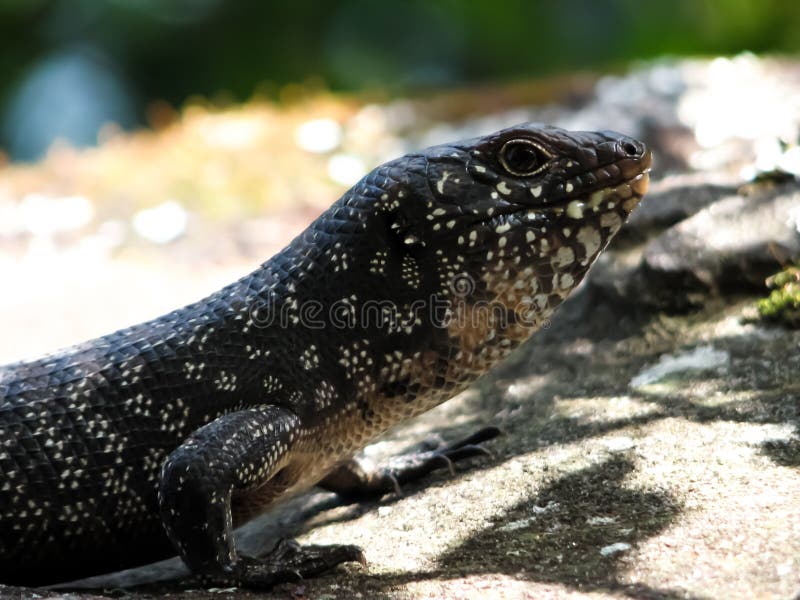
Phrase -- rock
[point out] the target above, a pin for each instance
(734, 244)
(675, 198)
(731, 246)
(699, 359)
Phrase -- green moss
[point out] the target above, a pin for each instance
(783, 303)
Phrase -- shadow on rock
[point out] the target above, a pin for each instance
(575, 532)
(783, 452)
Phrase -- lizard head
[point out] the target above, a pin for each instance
(517, 216)
(446, 259)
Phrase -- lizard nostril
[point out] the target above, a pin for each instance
(629, 148)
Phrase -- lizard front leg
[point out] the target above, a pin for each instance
(237, 452)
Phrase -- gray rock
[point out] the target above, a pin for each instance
(675, 198)
(735, 243)
(730, 246)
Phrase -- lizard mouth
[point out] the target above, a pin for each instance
(625, 195)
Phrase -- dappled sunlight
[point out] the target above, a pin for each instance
(598, 409)
(749, 500)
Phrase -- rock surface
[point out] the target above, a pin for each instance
(730, 246)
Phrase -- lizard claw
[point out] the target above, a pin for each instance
(412, 466)
(354, 483)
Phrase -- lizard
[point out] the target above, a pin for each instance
(161, 438)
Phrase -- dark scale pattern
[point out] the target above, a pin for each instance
(159, 438)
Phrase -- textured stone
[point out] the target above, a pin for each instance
(731, 246)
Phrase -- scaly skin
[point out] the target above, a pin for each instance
(161, 437)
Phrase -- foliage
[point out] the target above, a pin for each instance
(783, 303)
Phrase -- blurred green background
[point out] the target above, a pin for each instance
(69, 66)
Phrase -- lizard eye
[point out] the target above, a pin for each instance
(522, 157)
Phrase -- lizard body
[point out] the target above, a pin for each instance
(164, 436)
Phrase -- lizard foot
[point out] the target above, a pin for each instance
(353, 482)
(287, 562)
(415, 465)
